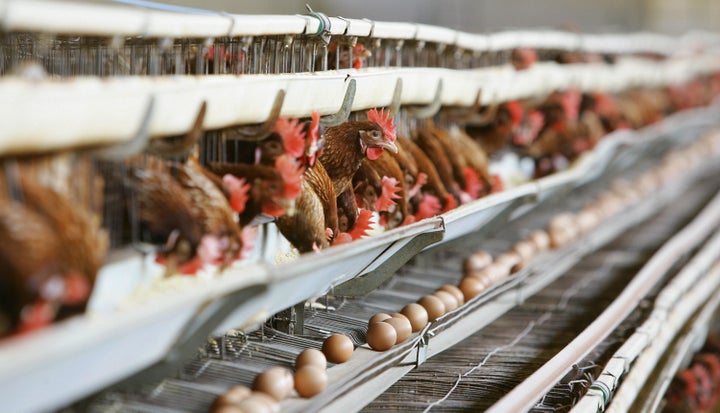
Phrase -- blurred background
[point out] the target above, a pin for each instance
(666, 16)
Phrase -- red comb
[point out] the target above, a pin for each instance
(429, 207)
(384, 120)
(293, 137)
(249, 237)
(497, 183)
(473, 185)
(420, 180)
(536, 121)
(313, 137)
(516, 111)
(238, 192)
(450, 203)
(570, 101)
(363, 224)
(291, 173)
(390, 188)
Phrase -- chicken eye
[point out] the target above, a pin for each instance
(375, 134)
(273, 145)
(369, 192)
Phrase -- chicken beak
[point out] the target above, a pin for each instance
(389, 146)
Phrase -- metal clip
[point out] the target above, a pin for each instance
(261, 131)
(394, 106)
(422, 349)
(133, 146)
(324, 27)
(430, 110)
(182, 146)
(344, 112)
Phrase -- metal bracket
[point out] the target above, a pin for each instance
(463, 114)
(132, 147)
(182, 146)
(344, 112)
(369, 282)
(261, 131)
(394, 106)
(423, 112)
(290, 320)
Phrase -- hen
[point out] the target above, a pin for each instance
(182, 204)
(270, 190)
(344, 148)
(50, 251)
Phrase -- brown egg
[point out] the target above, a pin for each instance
(433, 305)
(310, 380)
(587, 220)
(381, 336)
(311, 357)
(541, 239)
(378, 318)
(417, 315)
(510, 259)
(477, 261)
(525, 249)
(259, 403)
(494, 272)
(449, 300)
(276, 382)
(338, 348)
(402, 327)
(562, 229)
(471, 287)
(455, 292)
(399, 315)
(233, 395)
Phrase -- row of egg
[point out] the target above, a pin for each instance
(480, 272)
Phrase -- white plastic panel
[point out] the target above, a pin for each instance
(77, 18)
(168, 24)
(472, 41)
(256, 25)
(394, 30)
(435, 34)
(358, 27)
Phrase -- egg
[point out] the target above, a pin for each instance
(541, 239)
(233, 395)
(378, 317)
(310, 380)
(525, 249)
(493, 273)
(477, 261)
(338, 348)
(449, 300)
(433, 305)
(471, 287)
(402, 327)
(511, 260)
(417, 315)
(311, 357)
(259, 403)
(562, 229)
(455, 292)
(276, 382)
(587, 220)
(381, 336)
